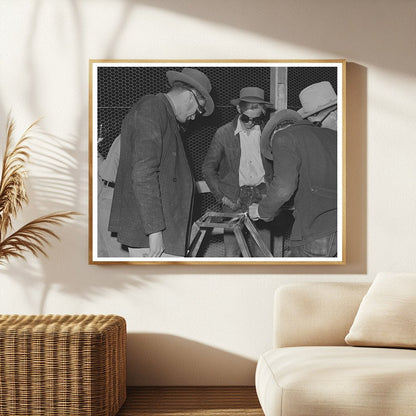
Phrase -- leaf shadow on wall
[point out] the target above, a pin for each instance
(59, 181)
(52, 186)
(70, 12)
(163, 359)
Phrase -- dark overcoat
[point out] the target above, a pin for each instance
(154, 184)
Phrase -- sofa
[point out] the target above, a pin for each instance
(342, 349)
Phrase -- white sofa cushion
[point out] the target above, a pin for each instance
(315, 313)
(337, 381)
(386, 316)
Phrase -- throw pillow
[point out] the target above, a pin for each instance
(386, 316)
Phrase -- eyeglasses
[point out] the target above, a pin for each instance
(200, 109)
(256, 120)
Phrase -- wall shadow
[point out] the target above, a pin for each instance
(52, 186)
(259, 22)
(356, 169)
(356, 103)
(334, 27)
(168, 360)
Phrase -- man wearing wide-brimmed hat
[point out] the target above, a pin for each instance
(153, 192)
(234, 168)
(305, 166)
(319, 104)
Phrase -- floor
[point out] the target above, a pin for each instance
(191, 401)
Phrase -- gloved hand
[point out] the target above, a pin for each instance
(253, 212)
(230, 204)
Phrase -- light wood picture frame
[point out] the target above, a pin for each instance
(115, 86)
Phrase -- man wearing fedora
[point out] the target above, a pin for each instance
(234, 169)
(319, 105)
(305, 167)
(152, 203)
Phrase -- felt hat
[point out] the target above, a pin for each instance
(277, 118)
(196, 79)
(251, 95)
(316, 97)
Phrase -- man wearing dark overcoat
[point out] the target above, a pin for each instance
(151, 210)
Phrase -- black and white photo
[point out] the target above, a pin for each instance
(217, 162)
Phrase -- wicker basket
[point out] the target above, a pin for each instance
(71, 365)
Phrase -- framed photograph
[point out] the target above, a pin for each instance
(217, 162)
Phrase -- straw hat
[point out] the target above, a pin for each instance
(316, 97)
(198, 80)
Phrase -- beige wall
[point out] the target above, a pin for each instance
(204, 324)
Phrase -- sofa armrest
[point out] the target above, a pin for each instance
(308, 314)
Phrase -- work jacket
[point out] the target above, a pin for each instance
(222, 163)
(305, 166)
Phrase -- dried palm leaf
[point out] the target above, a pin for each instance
(33, 237)
(12, 186)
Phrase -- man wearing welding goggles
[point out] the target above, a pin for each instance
(234, 168)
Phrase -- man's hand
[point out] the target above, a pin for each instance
(230, 204)
(156, 246)
(253, 212)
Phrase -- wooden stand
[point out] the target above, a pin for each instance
(234, 222)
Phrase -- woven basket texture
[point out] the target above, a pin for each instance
(53, 365)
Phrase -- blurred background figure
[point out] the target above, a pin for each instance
(107, 244)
